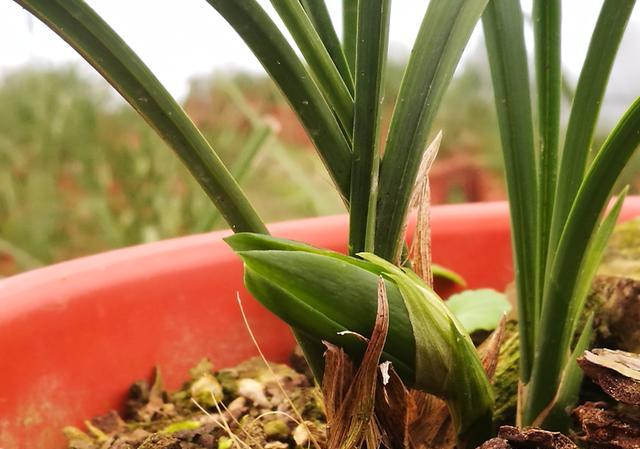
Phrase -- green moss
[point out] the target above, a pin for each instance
(505, 380)
(622, 256)
(181, 425)
(225, 443)
(276, 430)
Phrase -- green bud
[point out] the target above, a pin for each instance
(321, 294)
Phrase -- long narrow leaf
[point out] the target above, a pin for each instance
(589, 93)
(322, 67)
(547, 30)
(258, 139)
(349, 31)
(373, 36)
(568, 392)
(504, 34)
(445, 30)
(95, 41)
(592, 259)
(319, 15)
(273, 51)
(567, 395)
(572, 246)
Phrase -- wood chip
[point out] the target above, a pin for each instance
(535, 438)
(616, 372)
(495, 443)
(605, 428)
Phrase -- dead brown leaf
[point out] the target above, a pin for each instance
(431, 427)
(420, 251)
(394, 408)
(352, 420)
(490, 349)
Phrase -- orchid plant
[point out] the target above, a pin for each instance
(335, 86)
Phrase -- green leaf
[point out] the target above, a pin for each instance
(547, 33)
(569, 257)
(258, 139)
(319, 15)
(321, 294)
(447, 363)
(592, 260)
(324, 70)
(98, 44)
(273, 51)
(445, 30)
(504, 34)
(446, 273)
(569, 390)
(373, 36)
(349, 31)
(479, 309)
(589, 93)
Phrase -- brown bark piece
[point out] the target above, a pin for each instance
(495, 443)
(606, 429)
(617, 302)
(531, 438)
(616, 372)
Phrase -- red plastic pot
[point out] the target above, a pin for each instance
(74, 336)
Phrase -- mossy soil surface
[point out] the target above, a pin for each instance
(248, 406)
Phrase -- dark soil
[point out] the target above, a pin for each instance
(249, 405)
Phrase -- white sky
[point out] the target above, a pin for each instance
(180, 39)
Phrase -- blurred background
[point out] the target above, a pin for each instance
(80, 173)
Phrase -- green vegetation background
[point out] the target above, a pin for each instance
(80, 172)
